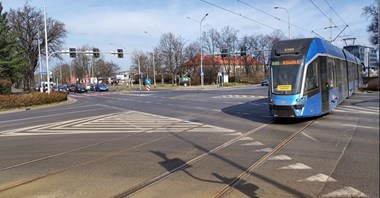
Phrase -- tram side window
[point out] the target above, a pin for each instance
(312, 80)
(331, 73)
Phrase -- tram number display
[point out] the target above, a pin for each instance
(291, 62)
(284, 88)
(286, 62)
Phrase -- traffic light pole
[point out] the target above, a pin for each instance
(95, 51)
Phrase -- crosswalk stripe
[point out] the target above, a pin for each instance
(296, 166)
(280, 157)
(346, 192)
(318, 178)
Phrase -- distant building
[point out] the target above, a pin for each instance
(368, 55)
(230, 67)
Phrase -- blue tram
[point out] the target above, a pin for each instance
(310, 77)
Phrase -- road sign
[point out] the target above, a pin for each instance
(147, 81)
(202, 74)
(147, 87)
(43, 73)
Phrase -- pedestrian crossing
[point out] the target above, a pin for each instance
(126, 122)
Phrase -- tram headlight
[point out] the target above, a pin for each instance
(301, 99)
(271, 101)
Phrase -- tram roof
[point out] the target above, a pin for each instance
(309, 47)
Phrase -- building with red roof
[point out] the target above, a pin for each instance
(235, 67)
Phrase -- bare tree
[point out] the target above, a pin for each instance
(104, 70)
(139, 57)
(371, 11)
(211, 41)
(62, 71)
(229, 41)
(27, 22)
(81, 65)
(171, 53)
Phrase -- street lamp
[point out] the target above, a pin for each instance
(277, 7)
(201, 42)
(154, 67)
(46, 50)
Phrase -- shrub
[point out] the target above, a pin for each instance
(373, 84)
(5, 86)
(31, 99)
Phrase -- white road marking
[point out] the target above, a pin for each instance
(245, 138)
(266, 150)
(238, 96)
(308, 136)
(318, 178)
(280, 157)
(346, 192)
(235, 134)
(297, 166)
(126, 122)
(358, 126)
(256, 143)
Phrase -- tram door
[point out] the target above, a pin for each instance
(324, 84)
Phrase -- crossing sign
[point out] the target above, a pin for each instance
(147, 81)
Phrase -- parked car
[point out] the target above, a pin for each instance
(101, 87)
(77, 88)
(90, 87)
(63, 88)
(265, 81)
(72, 88)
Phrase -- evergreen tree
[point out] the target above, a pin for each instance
(10, 60)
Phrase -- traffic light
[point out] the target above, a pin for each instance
(96, 52)
(243, 51)
(120, 53)
(73, 52)
(224, 53)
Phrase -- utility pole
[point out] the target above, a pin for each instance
(46, 51)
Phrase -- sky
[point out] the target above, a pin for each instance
(112, 24)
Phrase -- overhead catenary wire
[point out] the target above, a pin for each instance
(273, 16)
(338, 15)
(230, 11)
(241, 15)
(328, 18)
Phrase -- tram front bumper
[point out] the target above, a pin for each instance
(286, 111)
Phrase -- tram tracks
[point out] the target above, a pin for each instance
(81, 164)
(259, 162)
(226, 188)
(161, 177)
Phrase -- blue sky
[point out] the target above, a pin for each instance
(123, 22)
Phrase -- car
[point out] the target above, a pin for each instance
(63, 88)
(77, 88)
(265, 81)
(90, 87)
(101, 87)
(72, 88)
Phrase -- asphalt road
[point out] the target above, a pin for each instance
(215, 142)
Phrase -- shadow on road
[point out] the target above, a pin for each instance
(249, 189)
(258, 111)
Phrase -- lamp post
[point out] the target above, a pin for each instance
(277, 7)
(39, 61)
(201, 45)
(46, 51)
(154, 67)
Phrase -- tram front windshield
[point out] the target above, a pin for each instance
(286, 76)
